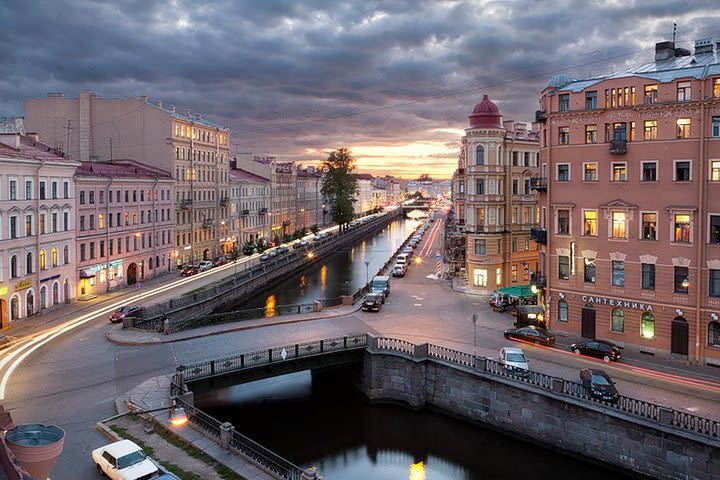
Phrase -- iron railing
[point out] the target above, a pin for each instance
(700, 425)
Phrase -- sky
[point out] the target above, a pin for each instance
(393, 80)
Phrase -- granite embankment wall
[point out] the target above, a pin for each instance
(648, 439)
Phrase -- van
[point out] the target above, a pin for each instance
(381, 284)
(402, 259)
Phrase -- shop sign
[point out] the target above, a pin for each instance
(3, 290)
(103, 266)
(23, 285)
(617, 302)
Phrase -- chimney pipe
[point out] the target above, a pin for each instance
(704, 45)
(199, 116)
(143, 98)
(186, 112)
(664, 51)
(172, 108)
(159, 103)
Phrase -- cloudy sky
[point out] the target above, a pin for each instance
(394, 80)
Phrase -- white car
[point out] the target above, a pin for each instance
(514, 359)
(205, 265)
(124, 460)
(399, 270)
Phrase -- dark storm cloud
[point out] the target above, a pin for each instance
(287, 76)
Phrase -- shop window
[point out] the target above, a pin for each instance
(647, 325)
(680, 279)
(618, 320)
(714, 334)
(562, 311)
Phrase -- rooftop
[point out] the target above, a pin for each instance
(121, 169)
(15, 145)
(239, 175)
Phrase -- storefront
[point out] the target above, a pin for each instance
(95, 279)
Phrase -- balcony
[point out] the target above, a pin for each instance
(538, 235)
(538, 280)
(540, 116)
(224, 201)
(187, 203)
(263, 211)
(618, 147)
(245, 213)
(208, 222)
(538, 183)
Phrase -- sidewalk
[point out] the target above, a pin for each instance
(457, 287)
(128, 336)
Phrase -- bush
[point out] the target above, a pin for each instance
(315, 229)
(248, 248)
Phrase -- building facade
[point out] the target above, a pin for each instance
(630, 188)
(364, 197)
(250, 197)
(310, 204)
(37, 227)
(124, 231)
(495, 206)
(195, 150)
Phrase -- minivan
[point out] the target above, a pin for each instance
(381, 284)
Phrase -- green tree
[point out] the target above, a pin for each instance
(315, 229)
(261, 245)
(234, 254)
(248, 248)
(340, 186)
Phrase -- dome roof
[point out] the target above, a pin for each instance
(559, 80)
(485, 115)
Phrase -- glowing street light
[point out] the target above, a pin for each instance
(310, 255)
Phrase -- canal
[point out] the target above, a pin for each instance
(341, 273)
(323, 420)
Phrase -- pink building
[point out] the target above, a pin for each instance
(630, 183)
(37, 227)
(125, 224)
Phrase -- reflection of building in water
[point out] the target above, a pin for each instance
(270, 306)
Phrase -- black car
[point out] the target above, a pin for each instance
(597, 348)
(372, 302)
(599, 385)
(531, 334)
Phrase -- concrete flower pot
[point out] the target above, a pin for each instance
(37, 447)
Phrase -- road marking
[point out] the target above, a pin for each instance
(419, 299)
(418, 304)
(691, 409)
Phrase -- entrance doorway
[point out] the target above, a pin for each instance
(66, 290)
(3, 313)
(132, 274)
(480, 277)
(588, 321)
(15, 307)
(30, 304)
(679, 336)
(206, 254)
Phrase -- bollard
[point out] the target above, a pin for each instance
(225, 435)
(166, 327)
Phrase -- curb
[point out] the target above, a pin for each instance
(108, 335)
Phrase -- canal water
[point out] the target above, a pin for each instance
(341, 273)
(323, 420)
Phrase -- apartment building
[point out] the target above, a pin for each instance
(194, 149)
(310, 204)
(37, 227)
(630, 187)
(125, 223)
(494, 205)
(250, 203)
(364, 200)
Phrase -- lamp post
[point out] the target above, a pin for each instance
(473, 320)
(367, 272)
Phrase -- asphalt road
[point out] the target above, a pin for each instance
(73, 380)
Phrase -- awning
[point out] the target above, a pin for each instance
(86, 274)
(519, 291)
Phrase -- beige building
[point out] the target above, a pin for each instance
(195, 150)
(125, 222)
(250, 201)
(37, 227)
(310, 205)
(494, 204)
(364, 199)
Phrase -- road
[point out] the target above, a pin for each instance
(74, 379)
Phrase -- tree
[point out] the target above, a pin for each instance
(261, 245)
(340, 186)
(315, 229)
(248, 248)
(234, 254)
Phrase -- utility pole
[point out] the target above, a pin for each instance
(67, 145)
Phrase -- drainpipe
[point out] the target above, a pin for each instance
(37, 235)
(700, 237)
(107, 235)
(153, 212)
(549, 223)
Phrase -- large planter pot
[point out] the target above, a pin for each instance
(37, 447)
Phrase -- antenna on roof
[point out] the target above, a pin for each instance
(674, 31)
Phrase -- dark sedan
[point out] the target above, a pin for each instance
(598, 384)
(531, 334)
(597, 348)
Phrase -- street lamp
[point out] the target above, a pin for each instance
(473, 320)
(367, 274)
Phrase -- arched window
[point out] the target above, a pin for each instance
(480, 155)
(618, 320)
(66, 255)
(714, 334)
(647, 325)
(29, 263)
(42, 259)
(562, 311)
(13, 267)
(55, 256)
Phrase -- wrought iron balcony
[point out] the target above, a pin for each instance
(263, 211)
(538, 235)
(618, 147)
(224, 201)
(538, 280)
(538, 183)
(245, 213)
(208, 222)
(187, 203)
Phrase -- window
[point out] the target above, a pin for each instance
(647, 325)
(13, 227)
(54, 189)
(462, 186)
(13, 267)
(563, 222)
(514, 273)
(82, 222)
(716, 87)
(564, 102)
(683, 128)
(680, 276)
(590, 172)
(92, 222)
(66, 189)
(618, 320)
(683, 91)
(651, 93)
(714, 334)
(102, 248)
(618, 273)
(590, 223)
(101, 220)
(480, 186)
(619, 132)
(619, 172)
(589, 275)
(28, 264)
(514, 215)
(648, 276)
(590, 133)
(649, 172)
(515, 186)
(632, 131)
(650, 130)
(716, 126)
(82, 197)
(28, 190)
(54, 254)
(564, 135)
(714, 229)
(563, 267)
(92, 249)
(682, 228)
(28, 225)
(43, 256)
(82, 252)
(479, 247)
(562, 311)
(682, 171)
(714, 287)
(649, 226)
(591, 100)
(479, 155)
(563, 172)
(54, 222)
(42, 190)
(618, 225)
(42, 223)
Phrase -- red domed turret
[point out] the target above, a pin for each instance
(485, 115)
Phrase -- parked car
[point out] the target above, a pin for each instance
(402, 259)
(205, 265)
(265, 257)
(166, 476)
(220, 261)
(372, 302)
(408, 251)
(124, 460)
(297, 245)
(127, 311)
(598, 384)
(597, 348)
(381, 284)
(514, 360)
(531, 334)
(188, 270)
(282, 249)
(399, 270)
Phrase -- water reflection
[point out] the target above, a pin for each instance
(417, 471)
(270, 306)
(323, 278)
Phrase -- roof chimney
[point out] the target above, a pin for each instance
(34, 136)
(664, 50)
(186, 112)
(704, 45)
(143, 98)
(11, 140)
(199, 116)
(159, 103)
(172, 108)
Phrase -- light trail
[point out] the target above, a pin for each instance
(425, 252)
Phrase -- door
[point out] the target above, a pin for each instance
(132, 274)
(679, 336)
(588, 322)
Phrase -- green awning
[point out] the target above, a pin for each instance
(519, 291)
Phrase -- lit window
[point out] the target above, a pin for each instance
(683, 128)
(619, 172)
(650, 130)
(715, 170)
(649, 226)
(564, 135)
(683, 91)
(716, 87)
(590, 223)
(42, 259)
(590, 174)
(618, 224)
(618, 320)
(590, 133)
(682, 228)
(647, 325)
(651, 93)
(681, 279)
